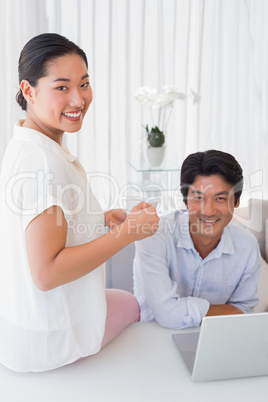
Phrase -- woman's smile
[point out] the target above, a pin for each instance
(73, 116)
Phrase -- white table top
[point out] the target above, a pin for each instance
(142, 364)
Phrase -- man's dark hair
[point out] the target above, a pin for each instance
(211, 162)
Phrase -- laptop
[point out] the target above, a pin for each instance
(227, 346)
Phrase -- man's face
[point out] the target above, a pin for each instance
(211, 204)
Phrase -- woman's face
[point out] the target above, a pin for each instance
(61, 99)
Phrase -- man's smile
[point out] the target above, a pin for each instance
(209, 221)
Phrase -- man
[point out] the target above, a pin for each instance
(199, 263)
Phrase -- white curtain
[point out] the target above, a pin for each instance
(234, 86)
(130, 44)
(19, 21)
(216, 47)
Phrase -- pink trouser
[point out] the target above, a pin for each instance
(122, 310)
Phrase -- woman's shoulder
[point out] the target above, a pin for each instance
(27, 156)
(29, 151)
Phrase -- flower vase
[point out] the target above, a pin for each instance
(155, 155)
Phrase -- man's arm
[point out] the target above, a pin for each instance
(223, 309)
(158, 294)
(244, 297)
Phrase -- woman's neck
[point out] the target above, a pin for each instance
(38, 126)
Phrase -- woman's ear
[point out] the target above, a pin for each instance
(27, 91)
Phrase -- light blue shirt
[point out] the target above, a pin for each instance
(175, 286)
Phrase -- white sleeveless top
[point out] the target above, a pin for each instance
(44, 330)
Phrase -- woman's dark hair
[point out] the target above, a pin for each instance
(36, 55)
(209, 163)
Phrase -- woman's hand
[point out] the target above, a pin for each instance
(114, 217)
(141, 222)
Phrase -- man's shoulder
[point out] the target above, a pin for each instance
(175, 216)
(240, 234)
(174, 221)
(170, 225)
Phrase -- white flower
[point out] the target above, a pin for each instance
(162, 101)
(168, 96)
(173, 92)
(145, 95)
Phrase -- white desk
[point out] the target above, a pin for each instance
(142, 364)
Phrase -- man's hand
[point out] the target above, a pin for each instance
(223, 309)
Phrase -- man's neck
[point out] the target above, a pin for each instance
(204, 246)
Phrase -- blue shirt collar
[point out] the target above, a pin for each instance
(185, 241)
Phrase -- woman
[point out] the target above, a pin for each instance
(53, 306)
